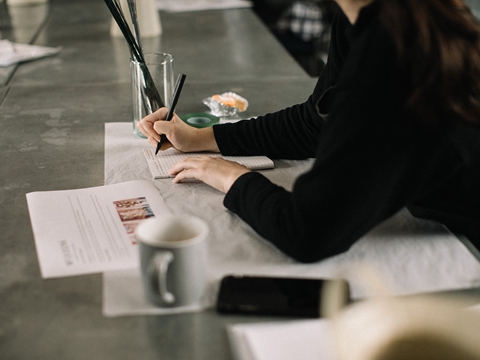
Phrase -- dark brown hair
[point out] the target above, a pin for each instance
(439, 45)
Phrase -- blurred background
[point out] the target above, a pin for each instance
(303, 27)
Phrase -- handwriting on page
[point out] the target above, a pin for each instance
(161, 163)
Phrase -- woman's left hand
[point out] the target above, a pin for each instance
(214, 171)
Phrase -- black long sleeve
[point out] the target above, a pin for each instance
(372, 156)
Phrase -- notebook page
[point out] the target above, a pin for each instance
(161, 163)
(286, 340)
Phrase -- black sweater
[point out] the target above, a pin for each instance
(372, 157)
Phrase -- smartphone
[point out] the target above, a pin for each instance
(276, 296)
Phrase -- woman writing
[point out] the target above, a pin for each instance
(393, 122)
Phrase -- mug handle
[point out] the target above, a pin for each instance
(158, 274)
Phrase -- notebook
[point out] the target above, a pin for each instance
(295, 339)
(162, 162)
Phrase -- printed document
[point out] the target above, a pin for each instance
(91, 230)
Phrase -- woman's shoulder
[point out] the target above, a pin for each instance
(466, 140)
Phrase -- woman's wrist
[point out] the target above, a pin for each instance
(206, 140)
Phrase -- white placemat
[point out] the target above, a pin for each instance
(412, 255)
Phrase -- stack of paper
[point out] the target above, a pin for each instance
(199, 5)
(13, 53)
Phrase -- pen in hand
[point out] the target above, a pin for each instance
(176, 95)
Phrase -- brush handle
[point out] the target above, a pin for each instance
(154, 99)
(133, 15)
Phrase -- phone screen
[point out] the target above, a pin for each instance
(270, 296)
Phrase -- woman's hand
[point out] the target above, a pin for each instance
(214, 171)
(181, 135)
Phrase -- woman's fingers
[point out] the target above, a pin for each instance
(146, 125)
(180, 135)
(214, 171)
(189, 168)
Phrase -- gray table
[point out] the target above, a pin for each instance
(52, 118)
(13, 27)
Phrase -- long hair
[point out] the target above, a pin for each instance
(439, 45)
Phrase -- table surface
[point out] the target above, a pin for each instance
(52, 119)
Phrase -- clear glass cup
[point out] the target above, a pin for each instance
(160, 66)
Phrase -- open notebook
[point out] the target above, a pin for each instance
(295, 339)
(162, 162)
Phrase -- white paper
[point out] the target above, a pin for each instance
(124, 152)
(304, 339)
(199, 5)
(412, 255)
(133, 301)
(12, 53)
(91, 230)
(161, 163)
(286, 340)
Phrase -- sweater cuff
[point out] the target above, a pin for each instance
(238, 190)
(222, 137)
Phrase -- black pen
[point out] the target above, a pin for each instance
(176, 95)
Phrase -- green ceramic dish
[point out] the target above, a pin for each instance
(200, 120)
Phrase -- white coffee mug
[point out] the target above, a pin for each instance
(418, 327)
(173, 259)
(387, 327)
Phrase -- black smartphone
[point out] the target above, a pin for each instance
(276, 296)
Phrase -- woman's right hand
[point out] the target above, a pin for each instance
(182, 136)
